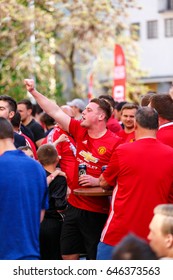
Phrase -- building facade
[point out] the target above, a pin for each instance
(152, 27)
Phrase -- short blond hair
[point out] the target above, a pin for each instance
(166, 210)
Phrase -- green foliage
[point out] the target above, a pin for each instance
(56, 42)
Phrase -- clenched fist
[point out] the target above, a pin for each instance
(29, 83)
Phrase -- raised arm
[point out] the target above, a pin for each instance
(50, 107)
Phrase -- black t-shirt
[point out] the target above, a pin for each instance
(57, 195)
(27, 132)
(37, 130)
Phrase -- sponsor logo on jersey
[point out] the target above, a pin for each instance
(88, 157)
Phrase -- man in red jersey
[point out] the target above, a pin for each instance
(142, 173)
(163, 103)
(86, 215)
(66, 149)
(128, 112)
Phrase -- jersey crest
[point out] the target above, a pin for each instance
(102, 150)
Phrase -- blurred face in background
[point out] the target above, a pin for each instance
(157, 239)
(24, 112)
(5, 110)
(127, 118)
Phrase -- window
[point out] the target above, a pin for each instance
(135, 31)
(169, 27)
(152, 29)
(165, 5)
(170, 4)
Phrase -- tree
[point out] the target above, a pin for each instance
(58, 43)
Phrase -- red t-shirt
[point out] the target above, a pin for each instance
(94, 153)
(113, 125)
(165, 134)
(127, 137)
(66, 151)
(144, 174)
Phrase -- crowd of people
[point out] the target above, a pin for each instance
(122, 147)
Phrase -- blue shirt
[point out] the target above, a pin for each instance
(23, 194)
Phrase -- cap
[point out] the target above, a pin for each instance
(77, 102)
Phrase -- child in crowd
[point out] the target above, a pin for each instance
(50, 230)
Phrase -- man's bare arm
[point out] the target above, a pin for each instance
(50, 107)
(103, 183)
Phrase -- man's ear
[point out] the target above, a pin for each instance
(161, 120)
(57, 160)
(169, 240)
(102, 116)
(30, 111)
(11, 114)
